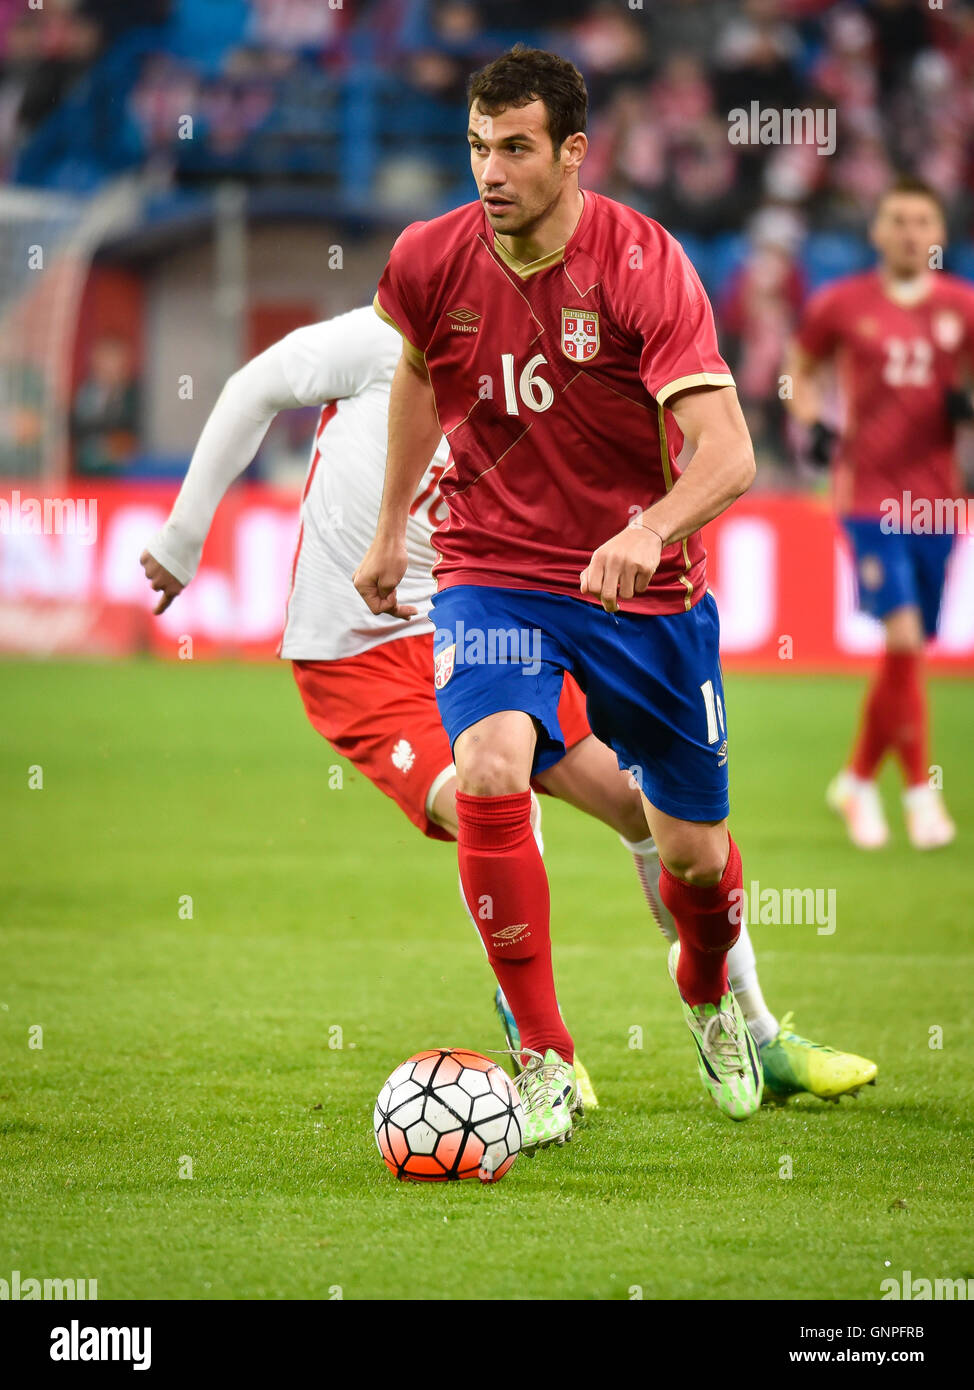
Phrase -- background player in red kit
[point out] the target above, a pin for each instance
(566, 347)
(902, 337)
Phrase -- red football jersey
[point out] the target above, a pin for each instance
(550, 381)
(895, 363)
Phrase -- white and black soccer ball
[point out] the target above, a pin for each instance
(448, 1114)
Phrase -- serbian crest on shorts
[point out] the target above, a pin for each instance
(579, 334)
(871, 572)
(443, 666)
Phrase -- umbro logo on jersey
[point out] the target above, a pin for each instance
(722, 754)
(508, 935)
(579, 334)
(463, 320)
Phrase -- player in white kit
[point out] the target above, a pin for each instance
(366, 679)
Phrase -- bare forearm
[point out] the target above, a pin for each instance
(721, 468)
(414, 434)
(718, 473)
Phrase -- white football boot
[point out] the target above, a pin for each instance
(927, 823)
(858, 803)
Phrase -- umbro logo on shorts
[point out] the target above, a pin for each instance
(506, 936)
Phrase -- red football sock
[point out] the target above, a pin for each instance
(894, 716)
(506, 888)
(873, 737)
(910, 720)
(709, 922)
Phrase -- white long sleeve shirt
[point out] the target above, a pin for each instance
(346, 366)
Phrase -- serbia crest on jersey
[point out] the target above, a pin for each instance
(579, 334)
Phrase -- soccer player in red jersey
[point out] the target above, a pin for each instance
(565, 346)
(902, 338)
(366, 680)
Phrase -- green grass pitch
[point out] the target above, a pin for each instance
(319, 916)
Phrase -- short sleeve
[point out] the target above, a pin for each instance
(673, 317)
(399, 300)
(818, 334)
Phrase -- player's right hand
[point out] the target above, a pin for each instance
(161, 580)
(382, 568)
(821, 444)
(623, 566)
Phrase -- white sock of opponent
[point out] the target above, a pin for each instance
(742, 970)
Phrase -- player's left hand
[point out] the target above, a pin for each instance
(822, 440)
(622, 567)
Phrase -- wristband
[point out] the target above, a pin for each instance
(655, 533)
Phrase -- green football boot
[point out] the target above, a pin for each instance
(587, 1099)
(792, 1064)
(548, 1091)
(727, 1057)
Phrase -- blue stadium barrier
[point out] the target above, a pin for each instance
(828, 255)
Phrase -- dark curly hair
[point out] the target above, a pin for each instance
(526, 74)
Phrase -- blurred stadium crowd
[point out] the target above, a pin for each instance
(364, 99)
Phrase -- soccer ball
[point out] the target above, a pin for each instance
(447, 1114)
